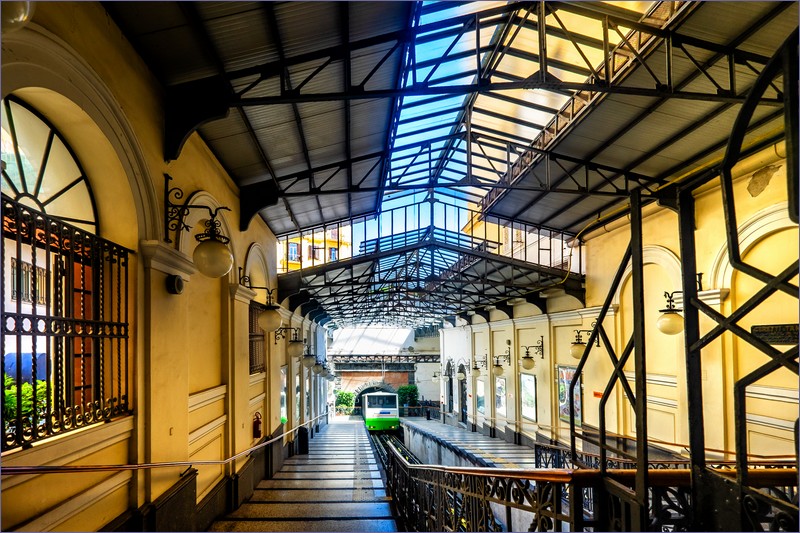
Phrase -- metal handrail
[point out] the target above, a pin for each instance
(71, 469)
(449, 498)
(588, 477)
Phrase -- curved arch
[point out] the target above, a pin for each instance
(255, 261)
(34, 183)
(380, 385)
(656, 255)
(762, 224)
(47, 73)
(256, 268)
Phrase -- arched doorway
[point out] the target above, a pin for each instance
(372, 386)
(462, 393)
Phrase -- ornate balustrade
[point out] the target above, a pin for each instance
(437, 498)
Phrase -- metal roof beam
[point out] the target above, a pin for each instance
(646, 113)
(569, 115)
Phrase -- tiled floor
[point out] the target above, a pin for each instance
(336, 487)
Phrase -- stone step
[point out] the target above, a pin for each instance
(295, 510)
(314, 495)
(337, 486)
(365, 524)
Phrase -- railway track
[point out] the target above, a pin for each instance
(382, 441)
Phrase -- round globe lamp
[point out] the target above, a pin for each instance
(498, 370)
(269, 319)
(528, 362)
(295, 349)
(576, 349)
(212, 258)
(670, 322)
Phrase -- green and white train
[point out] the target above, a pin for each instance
(379, 410)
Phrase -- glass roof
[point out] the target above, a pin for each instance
(430, 141)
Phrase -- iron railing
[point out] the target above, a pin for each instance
(65, 329)
(437, 498)
(409, 225)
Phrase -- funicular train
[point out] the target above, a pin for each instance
(380, 411)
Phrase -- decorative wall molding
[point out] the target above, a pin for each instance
(164, 258)
(770, 422)
(68, 448)
(255, 379)
(535, 320)
(206, 430)
(82, 501)
(501, 324)
(664, 402)
(207, 397)
(257, 401)
(240, 293)
(775, 394)
(759, 226)
(664, 380)
(655, 255)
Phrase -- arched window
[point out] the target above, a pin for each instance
(41, 171)
(65, 308)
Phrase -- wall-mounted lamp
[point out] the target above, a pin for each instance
(477, 364)
(528, 362)
(309, 360)
(269, 319)
(296, 345)
(435, 377)
(497, 368)
(578, 346)
(670, 322)
(212, 257)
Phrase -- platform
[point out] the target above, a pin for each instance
(337, 486)
(480, 449)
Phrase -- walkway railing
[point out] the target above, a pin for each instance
(76, 469)
(452, 225)
(437, 498)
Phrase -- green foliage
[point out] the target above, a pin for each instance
(344, 398)
(10, 397)
(408, 395)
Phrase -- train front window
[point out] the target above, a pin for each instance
(376, 402)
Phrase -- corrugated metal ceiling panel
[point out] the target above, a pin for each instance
(299, 20)
(239, 32)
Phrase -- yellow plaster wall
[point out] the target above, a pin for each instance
(183, 344)
(724, 360)
(42, 493)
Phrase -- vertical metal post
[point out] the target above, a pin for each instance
(639, 519)
(541, 29)
(790, 119)
(469, 144)
(694, 383)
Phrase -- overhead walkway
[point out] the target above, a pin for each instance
(337, 486)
